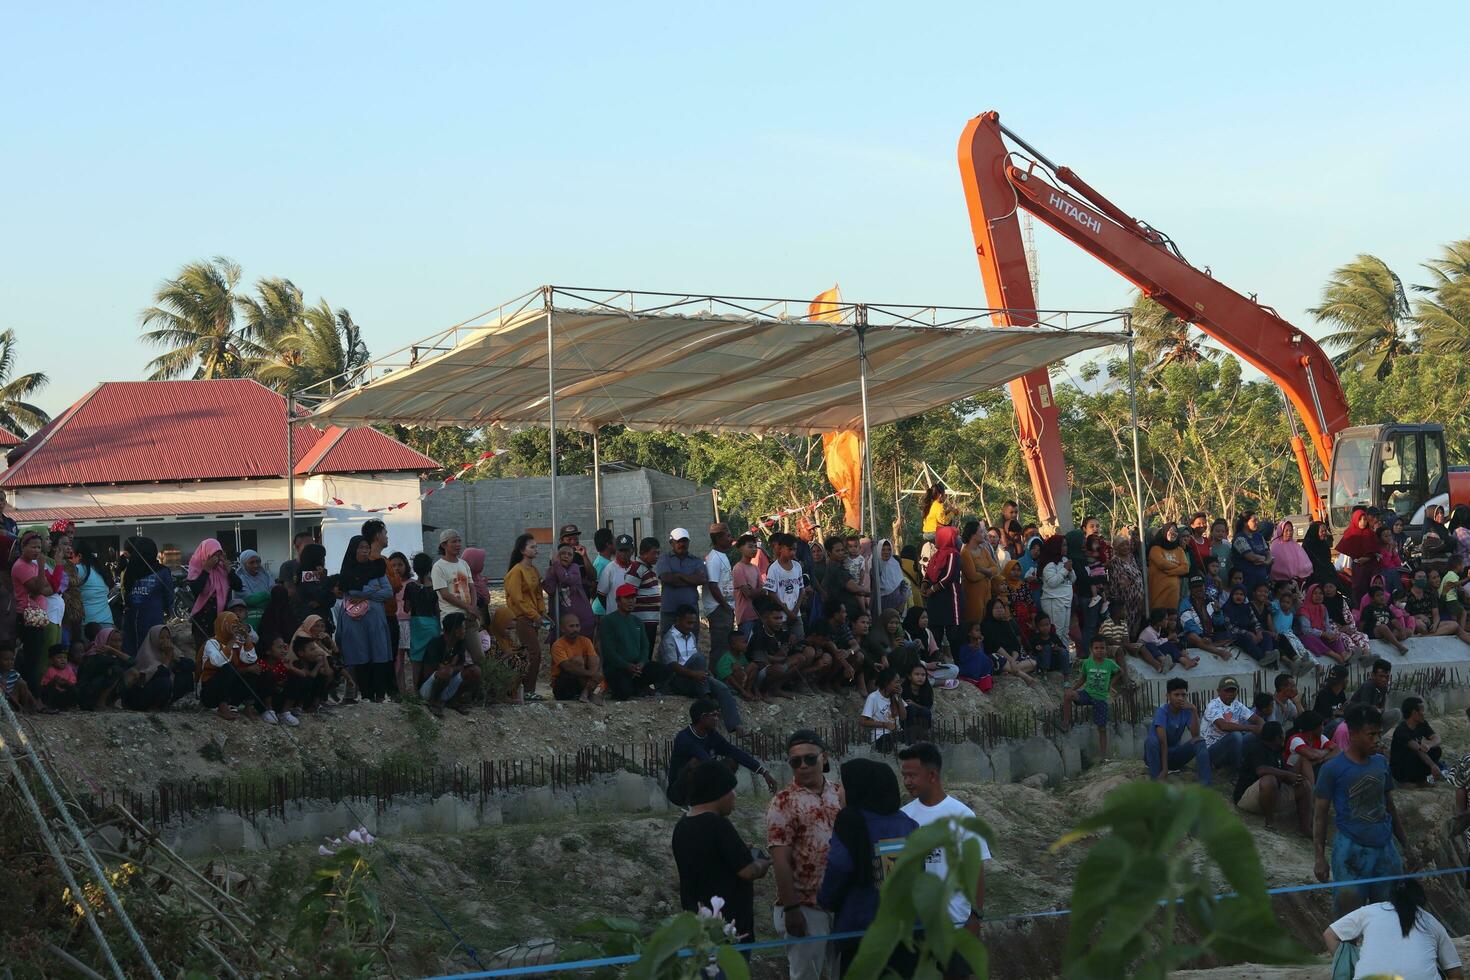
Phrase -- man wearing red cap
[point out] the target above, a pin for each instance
(625, 655)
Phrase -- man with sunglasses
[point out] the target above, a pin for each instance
(798, 830)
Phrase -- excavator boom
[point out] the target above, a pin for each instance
(998, 182)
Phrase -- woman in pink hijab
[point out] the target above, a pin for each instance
(1289, 560)
(211, 581)
(475, 558)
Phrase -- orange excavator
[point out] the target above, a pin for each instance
(1397, 467)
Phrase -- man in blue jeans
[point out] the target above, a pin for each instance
(1162, 750)
(1228, 724)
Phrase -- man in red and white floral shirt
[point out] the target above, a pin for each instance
(799, 830)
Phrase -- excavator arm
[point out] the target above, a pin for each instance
(999, 181)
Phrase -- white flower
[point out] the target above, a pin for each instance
(716, 904)
(323, 852)
(704, 911)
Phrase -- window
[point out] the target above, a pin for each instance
(1352, 478)
(1434, 462)
(1401, 473)
(637, 531)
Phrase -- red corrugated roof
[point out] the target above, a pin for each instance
(257, 506)
(8, 438)
(175, 431)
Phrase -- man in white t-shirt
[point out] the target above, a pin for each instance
(717, 602)
(784, 580)
(1227, 722)
(921, 766)
(453, 579)
(615, 572)
(884, 711)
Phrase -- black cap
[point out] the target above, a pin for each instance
(624, 541)
(805, 736)
(710, 780)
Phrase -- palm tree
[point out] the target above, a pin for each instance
(328, 345)
(1443, 318)
(17, 415)
(194, 316)
(1163, 339)
(1366, 299)
(276, 313)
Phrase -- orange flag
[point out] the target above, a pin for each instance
(843, 450)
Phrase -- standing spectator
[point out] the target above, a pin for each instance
(626, 664)
(1252, 555)
(748, 583)
(1198, 542)
(935, 507)
(650, 593)
(979, 568)
(314, 595)
(942, 579)
(1414, 751)
(1164, 749)
(1168, 564)
(212, 582)
(690, 673)
(422, 601)
(362, 622)
(1097, 675)
(1357, 787)
(871, 815)
(1317, 543)
(841, 586)
(717, 604)
(602, 541)
(799, 825)
(701, 742)
(565, 584)
(1400, 937)
(95, 584)
(1058, 583)
(453, 578)
(711, 858)
(1262, 778)
(680, 574)
(527, 603)
(785, 580)
(7, 523)
(571, 535)
(615, 573)
(893, 585)
(1125, 584)
(290, 571)
(475, 558)
(921, 765)
(1227, 723)
(147, 593)
(576, 673)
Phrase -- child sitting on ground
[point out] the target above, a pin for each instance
(1047, 649)
(17, 693)
(59, 683)
(1115, 631)
(576, 673)
(1156, 647)
(918, 697)
(736, 670)
(976, 666)
(286, 693)
(311, 660)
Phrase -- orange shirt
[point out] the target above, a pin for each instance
(564, 648)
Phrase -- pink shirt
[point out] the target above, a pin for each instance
(747, 574)
(53, 674)
(21, 573)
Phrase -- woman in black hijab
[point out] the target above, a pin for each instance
(313, 589)
(147, 593)
(1318, 546)
(362, 622)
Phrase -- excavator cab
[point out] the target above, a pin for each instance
(1391, 467)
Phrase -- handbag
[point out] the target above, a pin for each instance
(356, 608)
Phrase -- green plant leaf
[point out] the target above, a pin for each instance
(732, 963)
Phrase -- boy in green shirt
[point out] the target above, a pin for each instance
(1096, 678)
(735, 669)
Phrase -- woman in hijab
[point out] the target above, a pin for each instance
(1058, 577)
(1020, 597)
(362, 623)
(230, 673)
(277, 619)
(212, 582)
(100, 674)
(942, 580)
(313, 590)
(1125, 583)
(147, 593)
(1360, 543)
(916, 627)
(1316, 628)
(908, 561)
(475, 558)
(563, 582)
(1031, 557)
(255, 586)
(1289, 559)
(1318, 546)
(1340, 612)
(150, 685)
(1003, 644)
(893, 588)
(1252, 555)
(871, 813)
(978, 567)
(1168, 564)
(1246, 629)
(1459, 530)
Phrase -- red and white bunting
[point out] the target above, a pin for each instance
(480, 461)
(771, 520)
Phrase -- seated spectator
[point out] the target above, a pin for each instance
(1458, 777)
(1262, 777)
(831, 638)
(312, 659)
(576, 671)
(1197, 621)
(716, 867)
(450, 674)
(913, 643)
(1003, 643)
(1317, 630)
(629, 671)
(976, 665)
(1400, 937)
(884, 711)
(1423, 606)
(701, 742)
(854, 873)
(1378, 622)
(776, 651)
(1374, 689)
(230, 675)
(1331, 698)
(314, 631)
(1286, 704)
(1164, 748)
(1245, 630)
(17, 692)
(278, 618)
(735, 669)
(1451, 603)
(100, 674)
(152, 682)
(1157, 650)
(918, 698)
(679, 652)
(1227, 722)
(1048, 649)
(1306, 747)
(1294, 652)
(1096, 677)
(1414, 753)
(288, 681)
(59, 682)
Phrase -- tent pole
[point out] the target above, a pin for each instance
(551, 427)
(861, 312)
(1137, 469)
(290, 477)
(596, 482)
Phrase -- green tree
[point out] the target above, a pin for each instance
(1163, 339)
(194, 317)
(1443, 316)
(1365, 300)
(275, 311)
(326, 344)
(16, 413)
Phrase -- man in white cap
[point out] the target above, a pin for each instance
(453, 579)
(681, 575)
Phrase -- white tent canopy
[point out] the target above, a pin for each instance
(702, 363)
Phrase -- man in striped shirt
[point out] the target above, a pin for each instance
(642, 574)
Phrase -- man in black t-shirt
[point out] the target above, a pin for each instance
(1331, 698)
(450, 675)
(777, 652)
(1262, 778)
(1414, 752)
(840, 586)
(711, 858)
(1374, 690)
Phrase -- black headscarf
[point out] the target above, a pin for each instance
(142, 561)
(1160, 541)
(313, 556)
(355, 574)
(1001, 634)
(1319, 550)
(1459, 517)
(868, 785)
(278, 618)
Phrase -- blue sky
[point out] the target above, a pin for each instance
(420, 165)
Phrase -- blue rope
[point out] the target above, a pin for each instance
(544, 968)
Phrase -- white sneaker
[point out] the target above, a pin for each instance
(269, 718)
(290, 719)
